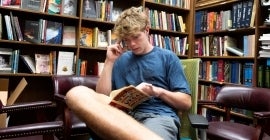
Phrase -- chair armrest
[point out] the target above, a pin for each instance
(60, 97)
(198, 121)
(262, 115)
(26, 106)
(206, 102)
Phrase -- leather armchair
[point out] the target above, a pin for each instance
(249, 98)
(47, 129)
(73, 126)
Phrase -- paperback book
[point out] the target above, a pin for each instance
(127, 98)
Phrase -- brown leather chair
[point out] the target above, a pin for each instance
(73, 126)
(46, 128)
(248, 98)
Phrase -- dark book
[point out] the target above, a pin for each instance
(13, 26)
(69, 7)
(267, 77)
(18, 28)
(32, 31)
(89, 9)
(34, 5)
(54, 32)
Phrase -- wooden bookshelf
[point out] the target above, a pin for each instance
(238, 32)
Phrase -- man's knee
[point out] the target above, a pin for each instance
(75, 93)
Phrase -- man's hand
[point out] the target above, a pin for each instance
(149, 89)
(114, 51)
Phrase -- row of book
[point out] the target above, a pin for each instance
(177, 3)
(242, 15)
(227, 71)
(175, 44)
(102, 10)
(165, 21)
(224, 46)
(63, 7)
(94, 37)
(37, 31)
(60, 63)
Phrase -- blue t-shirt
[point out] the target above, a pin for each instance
(160, 67)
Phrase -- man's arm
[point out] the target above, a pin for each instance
(104, 84)
(178, 100)
(106, 121)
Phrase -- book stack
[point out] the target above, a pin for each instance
(265, 47)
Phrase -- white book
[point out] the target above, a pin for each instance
(65, 63)
(235, 50)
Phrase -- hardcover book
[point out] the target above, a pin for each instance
(34, 5)
(32, 32)
(11, 3)
(127, 98)
(65, 63)
(86, 37)
(42, 63)
(89, 9)
(5, 60)
(69, 35)
(54, 32)
(69, 7)
(30, 63)
(54, 6)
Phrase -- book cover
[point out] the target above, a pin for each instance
(18, 28)
(32, 31)
(69, 7)
(11, 3)
(34, 5)
(127, 98)
(54, 6)
(102, 39)
(5, 60)
(86, 36)
(115, 13)
(89, 9)
(65, 63)
(53, 32)
(69, 35)
(29, 62)
(42, 63)
(8, 27)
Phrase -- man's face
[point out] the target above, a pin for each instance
(137, 42)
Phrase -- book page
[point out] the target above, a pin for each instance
(128, 96)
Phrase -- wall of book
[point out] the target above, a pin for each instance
(231, 39)
(69, 37)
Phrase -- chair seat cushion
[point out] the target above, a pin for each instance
(230, 131)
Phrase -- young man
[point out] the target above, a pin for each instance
(156, 71)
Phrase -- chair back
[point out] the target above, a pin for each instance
(249, 98)
(191, 69)
(62, 84)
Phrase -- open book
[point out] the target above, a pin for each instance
(127, 98)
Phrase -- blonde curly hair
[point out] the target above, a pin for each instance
(130, 22)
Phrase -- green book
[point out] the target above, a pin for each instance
(267, 77)
(260, 76)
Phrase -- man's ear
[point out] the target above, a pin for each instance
(147, 28)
